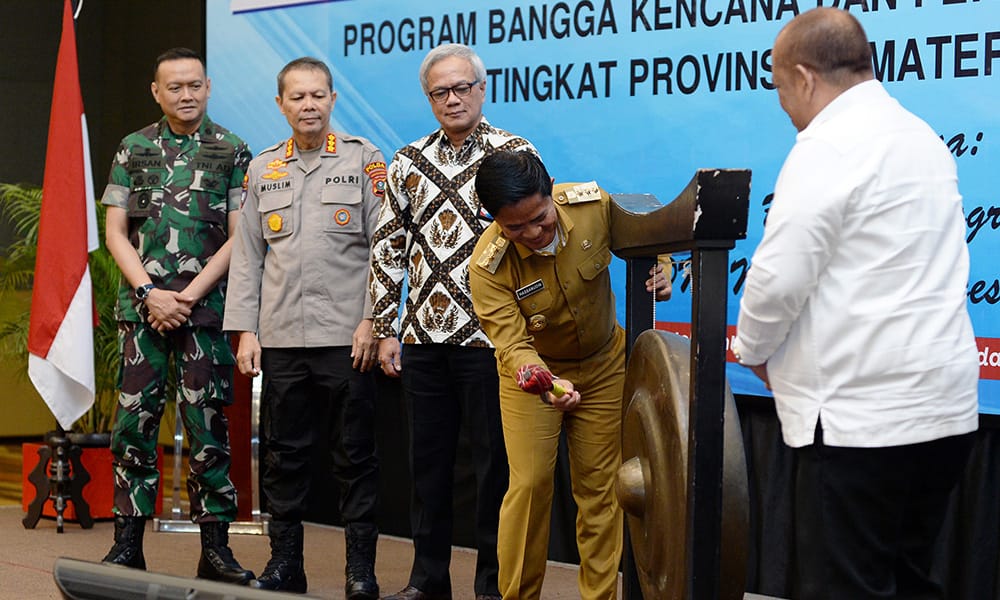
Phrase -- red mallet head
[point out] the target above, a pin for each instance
(536, 379)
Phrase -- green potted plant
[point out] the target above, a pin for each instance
(20, 208)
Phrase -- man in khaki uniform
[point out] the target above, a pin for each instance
(541, 288)
(298, 298)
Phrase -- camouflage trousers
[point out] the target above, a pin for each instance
(203, 366)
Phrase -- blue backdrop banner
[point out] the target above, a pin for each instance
(635, 94)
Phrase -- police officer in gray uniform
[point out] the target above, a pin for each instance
(297, 296)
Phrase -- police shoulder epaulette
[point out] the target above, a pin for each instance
(272, 148)
(348, 137)
(493, 254)
(357, 139)
(578, 193)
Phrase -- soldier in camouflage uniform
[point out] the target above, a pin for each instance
(172, 201)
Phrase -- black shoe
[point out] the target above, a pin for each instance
(127, 550)
(217, 561)
(284, 570)
(361, 539)
(412, 593)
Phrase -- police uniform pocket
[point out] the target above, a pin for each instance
(342, 208)
(593, 265)
(275, 210)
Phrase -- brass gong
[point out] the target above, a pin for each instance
(653, 480)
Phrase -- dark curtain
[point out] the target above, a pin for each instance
(967, 558)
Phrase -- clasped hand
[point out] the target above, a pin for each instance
(168, 309)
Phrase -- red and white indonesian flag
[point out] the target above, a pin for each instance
(61, 333)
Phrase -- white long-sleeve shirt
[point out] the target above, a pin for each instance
(856, 297)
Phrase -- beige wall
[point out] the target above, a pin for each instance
(22, 411)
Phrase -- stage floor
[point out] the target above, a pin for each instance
(27, 555)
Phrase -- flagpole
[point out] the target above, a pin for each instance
(60, 331)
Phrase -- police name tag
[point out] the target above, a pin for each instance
(531, 288)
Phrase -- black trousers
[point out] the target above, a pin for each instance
(867, 519)
(309, 394)
(445, 386)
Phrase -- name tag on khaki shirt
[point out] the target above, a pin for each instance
(532, 288)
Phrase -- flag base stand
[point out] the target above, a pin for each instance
(59, 476)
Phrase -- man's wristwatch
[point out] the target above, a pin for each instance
(142, 292)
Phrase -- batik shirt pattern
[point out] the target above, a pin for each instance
(428, 225)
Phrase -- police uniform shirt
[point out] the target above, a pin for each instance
(559, 306)
(299, 270)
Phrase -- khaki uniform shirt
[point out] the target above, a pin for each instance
(299, 270)
(559, 307)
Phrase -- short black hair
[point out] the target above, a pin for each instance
(307, 63)
(177, 54)
(505, 178)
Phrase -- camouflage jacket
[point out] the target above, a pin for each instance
(178, 191)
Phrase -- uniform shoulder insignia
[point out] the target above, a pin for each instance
(583, 192)
(493, 254)
(355, 139)
(271, 148)
(576, 193)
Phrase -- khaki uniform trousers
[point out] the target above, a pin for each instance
(531, 431)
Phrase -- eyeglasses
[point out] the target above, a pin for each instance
(461, 90)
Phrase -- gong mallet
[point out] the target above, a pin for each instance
(536, 379)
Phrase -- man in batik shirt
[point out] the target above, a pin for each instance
(427, 228)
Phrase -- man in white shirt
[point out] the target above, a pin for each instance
(854, 314)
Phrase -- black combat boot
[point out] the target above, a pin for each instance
(360, 569)
(127, 550)
(284, 571)
(217, 561)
